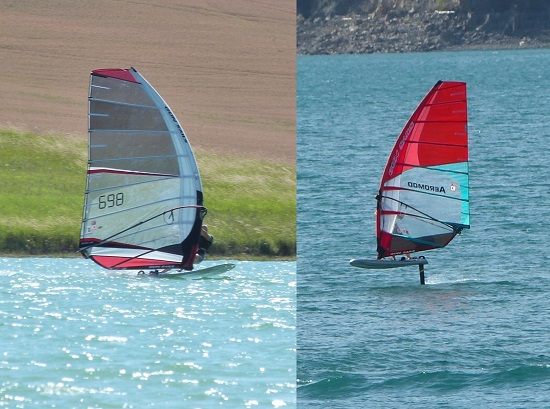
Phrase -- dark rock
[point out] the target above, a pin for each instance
(368, 26)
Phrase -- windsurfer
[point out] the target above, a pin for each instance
(205, 241)
(399, 218)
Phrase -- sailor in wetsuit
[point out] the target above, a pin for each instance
(205, 241)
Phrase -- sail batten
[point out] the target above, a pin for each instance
(433, 168)
(132, 131)
(137, 157)
(152, 204)
(103, 189)
(438, 144)
(143, 199)
(423, 200)
(128, 172)
(96, 100)
(445, 121)
(425, 193)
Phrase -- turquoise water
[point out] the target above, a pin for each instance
(76, 336)
(477, 333)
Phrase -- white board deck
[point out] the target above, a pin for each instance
(387, 263)
(218, 269)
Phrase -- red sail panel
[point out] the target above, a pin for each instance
(443, 107)
(118, 73)
(424, 199)
(130, 263)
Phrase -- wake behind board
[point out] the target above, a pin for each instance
(383, 264)
(201, 272)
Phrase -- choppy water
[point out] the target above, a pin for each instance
(478, 332)
(75, 336)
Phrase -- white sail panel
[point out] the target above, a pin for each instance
(143, 204)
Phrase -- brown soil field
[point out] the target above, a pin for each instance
(226, 68)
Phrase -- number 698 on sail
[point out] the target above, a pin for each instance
(111, 200)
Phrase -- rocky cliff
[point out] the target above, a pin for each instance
(370, 26)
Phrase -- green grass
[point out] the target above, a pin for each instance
(251, 203)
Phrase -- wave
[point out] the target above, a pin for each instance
(440, 382)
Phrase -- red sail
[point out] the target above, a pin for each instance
(424, 198)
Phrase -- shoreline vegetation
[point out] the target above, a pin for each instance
(251, 202)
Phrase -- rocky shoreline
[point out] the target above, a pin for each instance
(413, 30)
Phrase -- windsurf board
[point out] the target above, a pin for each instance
(387, 263)
(217, 269)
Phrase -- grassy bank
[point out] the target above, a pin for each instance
(251, 203)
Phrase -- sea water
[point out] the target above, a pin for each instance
(478, 334)
(73, 335)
